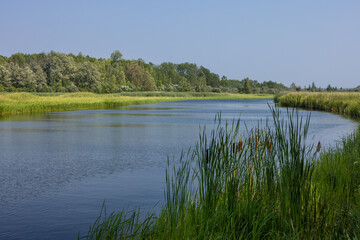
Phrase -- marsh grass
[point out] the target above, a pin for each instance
(20, 103)
(263, 184)
(341, 103)
(120, 225)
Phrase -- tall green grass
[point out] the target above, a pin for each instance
(342, 103)
(18, 103)
(263, 184)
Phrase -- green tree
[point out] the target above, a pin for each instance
(116, 56)
(293, 86)
(40, 78)
(247, 86)
(201, 84)
(5, 77)
(185, 85)
(189, 71)
(113, 76)
(23, 78)
(18, 58)
(139, 77)
(87, 77)
(313, 87)
(212, 79)
(329, 88)
(60, 71)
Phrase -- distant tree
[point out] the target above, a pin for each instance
(60, 71)
(189, 71)
(3, 59)
(247, 86)
(329, 88)
(185, 85)
(87, 77)
(23, 78)
(18, 58)
(116, 56)
(201, 84)
(68, 72)
(313, 87)
(212, 79)
(169, 75)
(40, 78)
(112, 75)
(5, 77)
(293, 86)
(139, 77)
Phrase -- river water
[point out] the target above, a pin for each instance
(57, 169)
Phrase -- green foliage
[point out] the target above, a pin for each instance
(116, 56)
(137, 75)
(18, 103)
(87, 78)
(59, 72)
(264, 184)
(5, 76)
(342, 103)
(246, 84)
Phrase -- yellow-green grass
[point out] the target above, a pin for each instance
(17, 103)
(341, 103)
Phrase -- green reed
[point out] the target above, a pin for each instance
(341, 103)
(263, 184)
(20, 103)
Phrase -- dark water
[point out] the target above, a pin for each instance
(56, 169)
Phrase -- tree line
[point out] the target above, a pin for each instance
(60, 72)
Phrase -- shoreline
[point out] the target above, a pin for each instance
(27, 103)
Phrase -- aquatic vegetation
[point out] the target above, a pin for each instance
(18, 103)
(341, 103)
(262, 184)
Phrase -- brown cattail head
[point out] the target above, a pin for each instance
(318, 147)
(219, 151)
(249, 141)
(265, 143)
(233, 147)
(240, 145)
(270, 145)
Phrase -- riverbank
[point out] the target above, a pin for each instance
(264, 185)
(340, 103)
(20, 103)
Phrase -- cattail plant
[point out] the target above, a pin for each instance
(283, 191)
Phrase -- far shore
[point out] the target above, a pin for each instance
(23, 103)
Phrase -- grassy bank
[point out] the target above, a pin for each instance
(341, 103)
(264, 184)
(15, 103)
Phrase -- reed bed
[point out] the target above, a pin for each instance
(262, 184)
(18, 103)
(341, 103)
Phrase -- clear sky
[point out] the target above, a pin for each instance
(286, 41)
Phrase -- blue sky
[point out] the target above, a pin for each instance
(289, 41)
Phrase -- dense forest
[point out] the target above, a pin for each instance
(59, 72)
